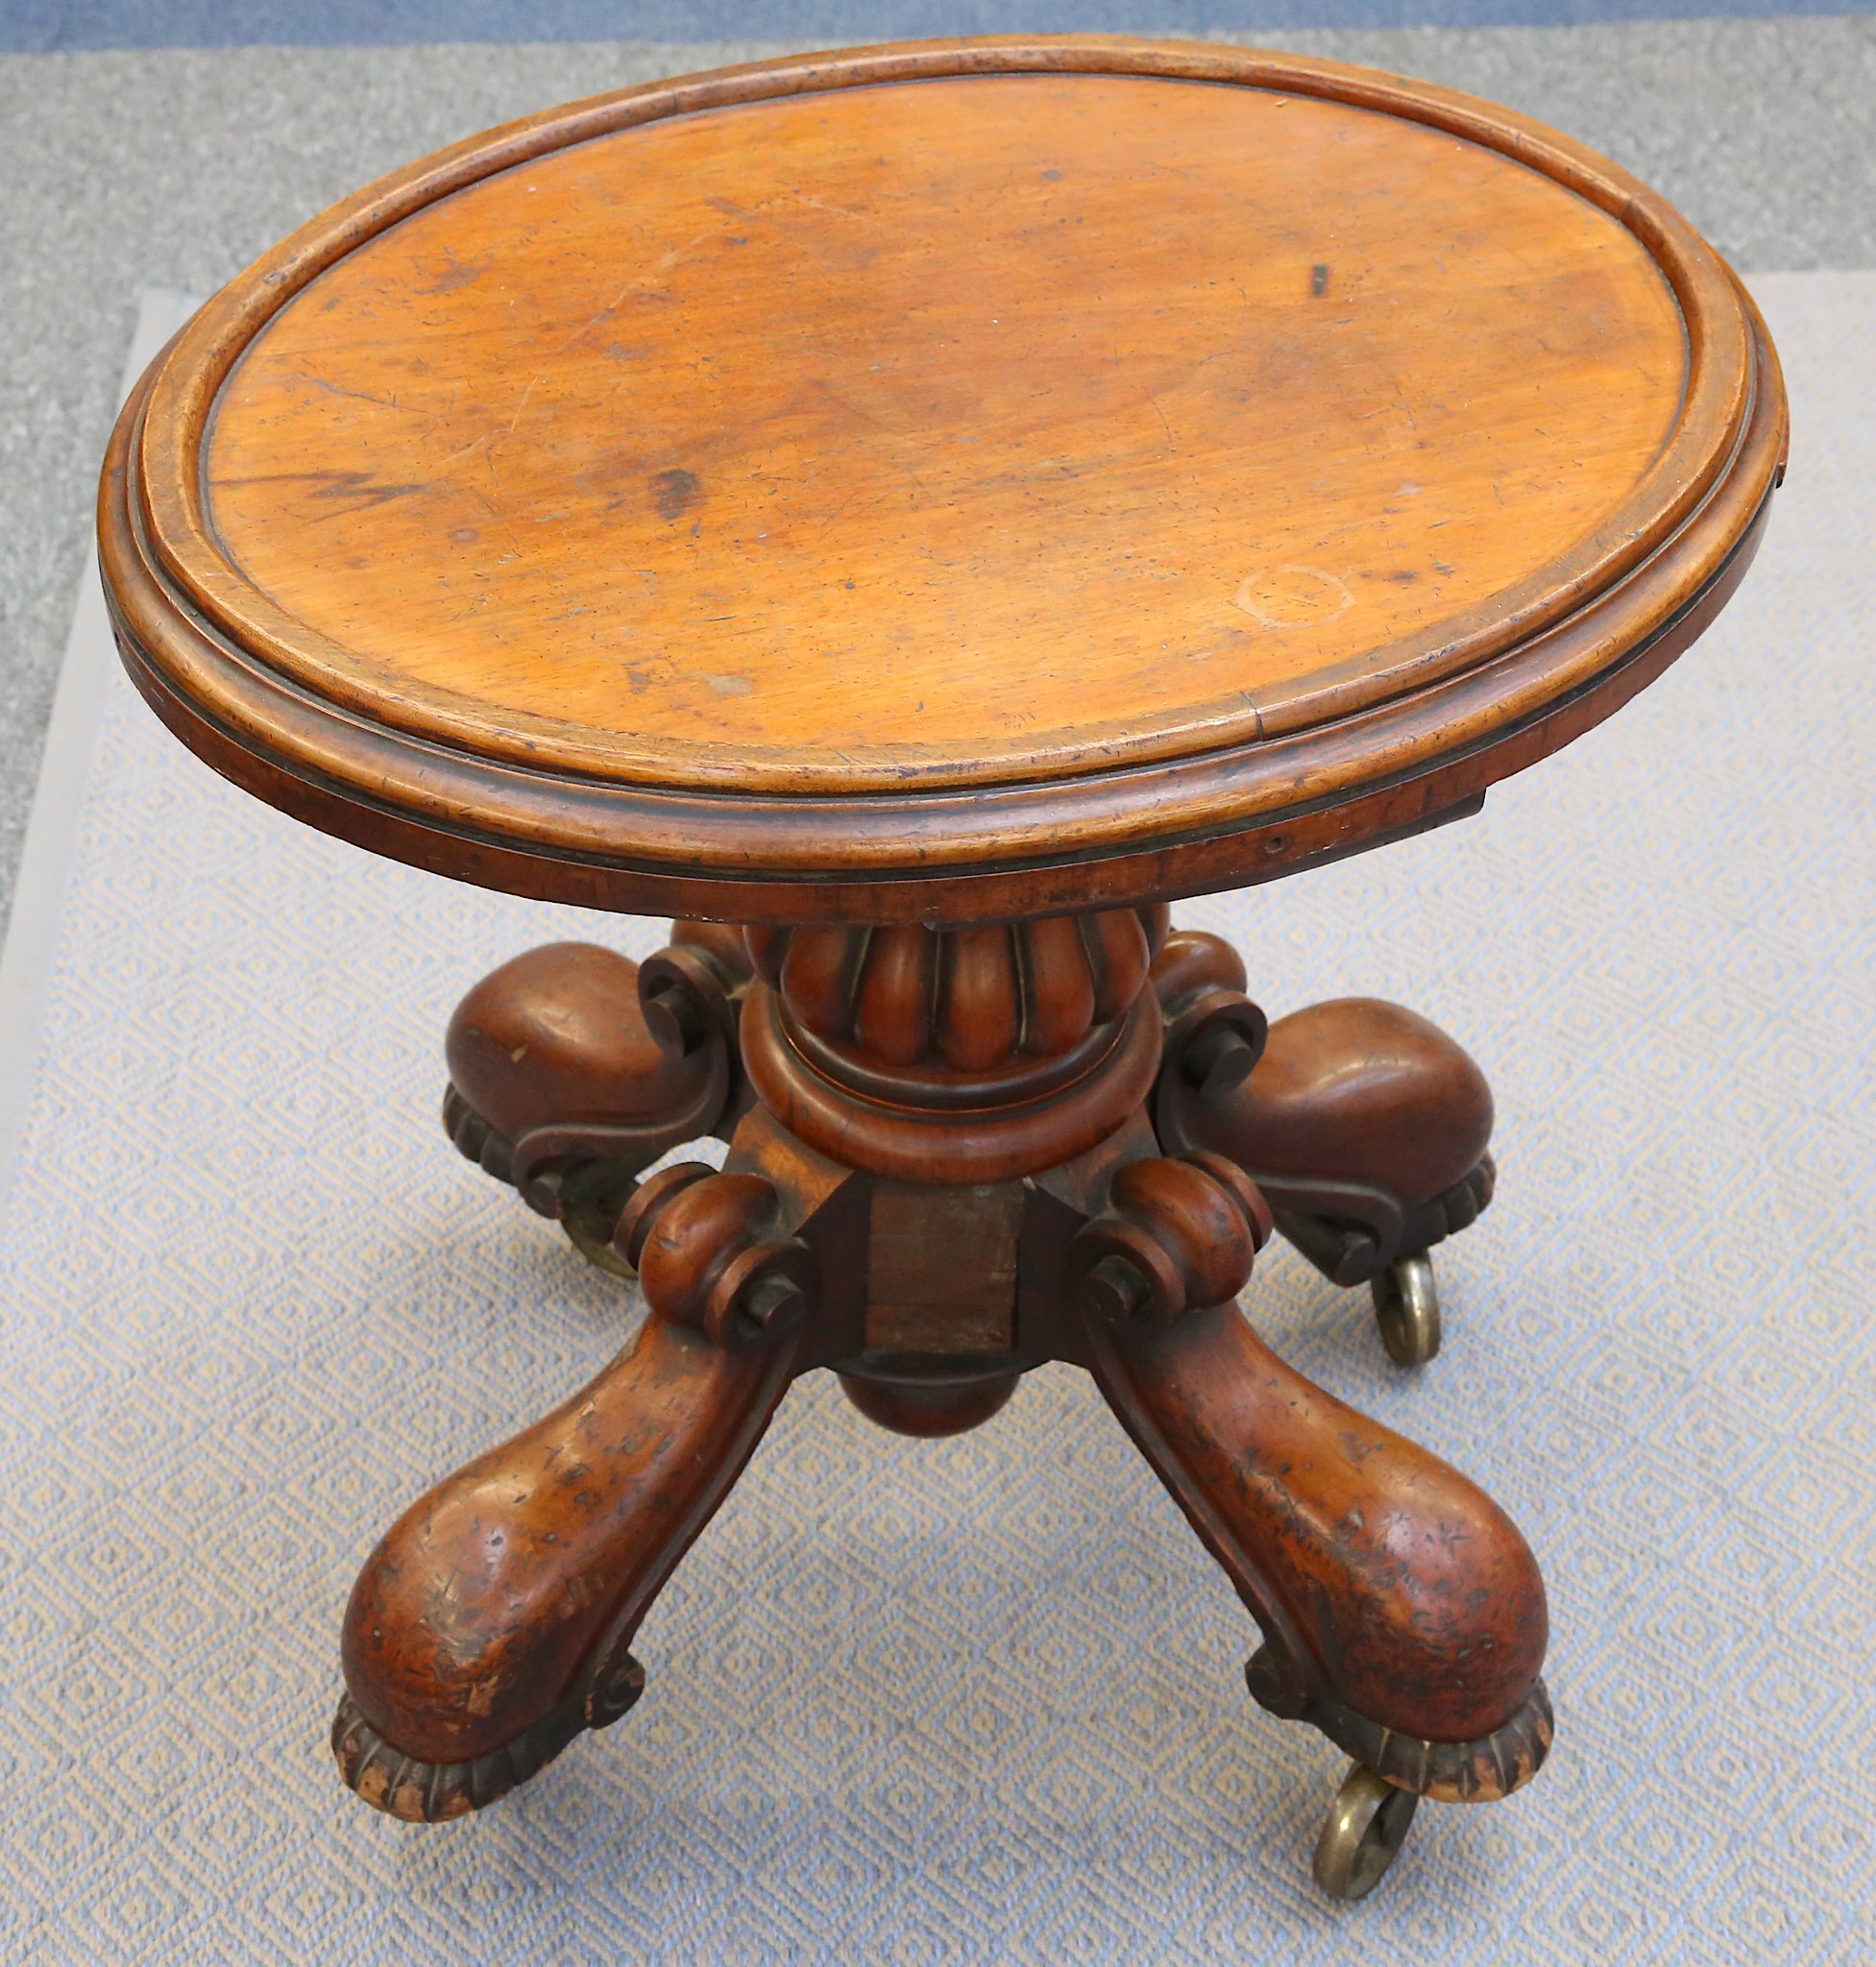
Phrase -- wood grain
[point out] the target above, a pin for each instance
(933, 433)
(1003, 475)
(482, 1607)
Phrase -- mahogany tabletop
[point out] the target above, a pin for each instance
(940, 481)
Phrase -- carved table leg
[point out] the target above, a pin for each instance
(1402, 1614)
(493, 1623)
(947, 1177)
(572, 1068)
(1365, 1126)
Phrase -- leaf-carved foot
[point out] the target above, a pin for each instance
(493, 1623)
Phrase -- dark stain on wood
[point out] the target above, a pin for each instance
(676, 491)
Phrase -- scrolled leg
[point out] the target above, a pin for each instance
(1178, 1233)
(495, 1620)
(1402, 1614)
(1365, 1126)
(572, 1068)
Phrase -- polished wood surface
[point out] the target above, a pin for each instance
(871, 436)
(1205, 460)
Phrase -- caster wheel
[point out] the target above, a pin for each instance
(1366, 1828)
(1407, 1310)
(590, 1196)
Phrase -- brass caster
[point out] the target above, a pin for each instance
(1407, 1309)
(592, 1198)
(1367, 1825)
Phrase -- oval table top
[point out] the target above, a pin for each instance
(940, 481)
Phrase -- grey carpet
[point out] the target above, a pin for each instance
(173, 168)
(40, 25)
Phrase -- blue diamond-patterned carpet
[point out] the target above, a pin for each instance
(981, 1700)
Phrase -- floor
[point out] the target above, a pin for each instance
(39, 26)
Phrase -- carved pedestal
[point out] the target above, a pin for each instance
(956, 1154)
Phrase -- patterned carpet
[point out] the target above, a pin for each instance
(980, 1700)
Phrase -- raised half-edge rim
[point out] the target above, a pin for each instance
(169, 476)
(1160, 827)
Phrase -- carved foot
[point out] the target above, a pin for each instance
(422, 1792)
(1402, 1614)
(493, 1621)
(572, 1068)
(1364, 1125)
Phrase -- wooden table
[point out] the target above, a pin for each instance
(931, 506)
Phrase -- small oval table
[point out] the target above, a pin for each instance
(929, 507)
